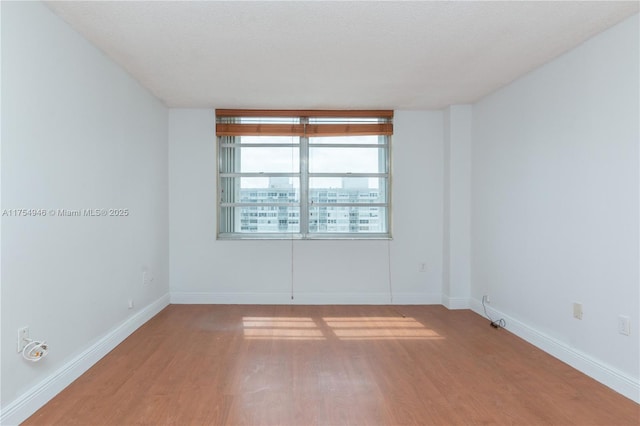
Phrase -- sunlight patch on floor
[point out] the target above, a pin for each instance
(379, 328)
(281, 328)
(342, 328)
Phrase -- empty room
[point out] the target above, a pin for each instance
(320, 213)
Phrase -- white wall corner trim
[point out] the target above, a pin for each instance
(27, 404)
(219, 298)
(453, 303)
(609, 376)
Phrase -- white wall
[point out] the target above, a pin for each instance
(555, 201)
(456, 268)
(77, 132)
(204, 270)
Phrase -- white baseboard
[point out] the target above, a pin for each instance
(455, 302)
(29, 402)
(304, 298)
(608, 376)
(216, 298)
(342, 299)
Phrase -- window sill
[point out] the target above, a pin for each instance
(298, 237)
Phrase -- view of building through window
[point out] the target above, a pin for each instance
(350, 219)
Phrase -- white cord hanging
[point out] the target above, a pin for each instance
(35, 350)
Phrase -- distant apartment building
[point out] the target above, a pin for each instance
(356, 217)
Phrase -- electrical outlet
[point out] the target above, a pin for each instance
(624, 325)
(130, 304)
(486, 298)
(23, 335)
(147, 278)
(577, 310)
(422, 267)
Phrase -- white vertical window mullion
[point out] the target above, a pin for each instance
(388, 186)
(304, 182)
(227, 161)
(385, 166)
(234, 186)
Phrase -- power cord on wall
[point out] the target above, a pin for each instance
(494, 323)
(35, 350)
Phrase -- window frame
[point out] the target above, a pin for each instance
(305, 204)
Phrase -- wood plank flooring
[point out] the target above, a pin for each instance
(330, 365)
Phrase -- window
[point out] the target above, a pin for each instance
(310, 174)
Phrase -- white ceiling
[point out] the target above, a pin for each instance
(317, 54)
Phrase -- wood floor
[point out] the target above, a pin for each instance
(330, 365)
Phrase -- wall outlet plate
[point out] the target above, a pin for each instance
(23, 335)
(624, 325)
(577, 310)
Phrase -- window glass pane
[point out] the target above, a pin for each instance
(260, 190)
(345, 140)
(347, 160)
(353, 219)
(347, 190)
(259, 159)
(260, 219)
